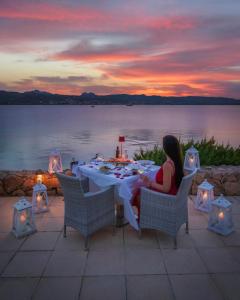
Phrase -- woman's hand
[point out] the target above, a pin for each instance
(145, 180)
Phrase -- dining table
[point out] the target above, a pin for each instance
(125, 179)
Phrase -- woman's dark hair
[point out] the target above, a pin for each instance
(172, 148)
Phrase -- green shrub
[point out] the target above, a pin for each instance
(210, 153)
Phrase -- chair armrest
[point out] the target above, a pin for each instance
(159, 198)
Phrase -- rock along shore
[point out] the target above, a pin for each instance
(225, 179)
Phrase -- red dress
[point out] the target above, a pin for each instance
(159, 179)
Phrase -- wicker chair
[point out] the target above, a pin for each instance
(166, 212)
(83, 210)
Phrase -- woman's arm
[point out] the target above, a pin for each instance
(167, 178)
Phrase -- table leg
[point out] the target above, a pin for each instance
(120, 220)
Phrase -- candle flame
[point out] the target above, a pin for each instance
(205, 195)
(22, 218)
(39, 179)
(221, 215)
(39, 198)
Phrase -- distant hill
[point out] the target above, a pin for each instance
(43, 98)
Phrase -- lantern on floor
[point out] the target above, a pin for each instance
(39, 198)
(121, 140)
(220, 216)
(191, 160)
(55, 162)
(205, 196)
(23, 219)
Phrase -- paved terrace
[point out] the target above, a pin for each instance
(47, 266)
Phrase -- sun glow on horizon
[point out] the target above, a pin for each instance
(133, 47)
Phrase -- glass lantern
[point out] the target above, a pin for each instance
(55, 162)
(23, 219)
(191, 160)
(220, 216)
(205, 196)
(39, 198)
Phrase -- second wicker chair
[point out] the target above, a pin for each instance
(83, 210)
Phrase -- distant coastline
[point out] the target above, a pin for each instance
(43, 98)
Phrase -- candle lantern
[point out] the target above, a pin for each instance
(220, 216)
(23, 219)
(39, 198)
(55, 162)
(121, 140)
(191, 160)
(205, 196)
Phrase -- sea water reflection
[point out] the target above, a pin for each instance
(29, 133)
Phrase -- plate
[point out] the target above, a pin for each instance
(146, 162)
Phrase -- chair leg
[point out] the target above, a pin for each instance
(140, 234)
(86, 244)
(187, 228)
(175, 242)
(65, 231)
(114, 229)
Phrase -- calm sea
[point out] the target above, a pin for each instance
(29, 133)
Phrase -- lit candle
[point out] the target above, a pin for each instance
(205, 195)
(54, 162)
(22, 218)
(39, 198)
(191, 161)
(221, 218)
(39, 179)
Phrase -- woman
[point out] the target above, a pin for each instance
(169, 176)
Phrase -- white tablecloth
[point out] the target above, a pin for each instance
(123, 190)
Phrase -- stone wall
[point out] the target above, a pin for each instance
(226, 180)
(20, 183)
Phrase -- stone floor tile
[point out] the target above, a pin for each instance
(25, 264)
(233, 239)
(56, 201)
(151, 287)
(183, 240)
(65, 288)
(8, 242)
(229, 285)
(6, 224)
(235, 204)
(148, 239)
(4, 259)
(70, 263)
(198, 221)
(50, 224)
(55, 211)
(219, 260)
(236, 221)
(73, 241)
(183, 261)
(147, 261)
(194, 287)
(103, 287)
(106, 239)
(17, 288)
(206, 238)
(234, 252)
(40, 241)
(105, 262)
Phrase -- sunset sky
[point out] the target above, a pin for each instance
(152, 47)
